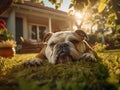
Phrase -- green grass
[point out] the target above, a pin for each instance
(80, 75)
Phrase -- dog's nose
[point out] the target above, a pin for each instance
(63, 48)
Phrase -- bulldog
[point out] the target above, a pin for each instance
(64, 46)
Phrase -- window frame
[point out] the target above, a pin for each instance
(30, 31)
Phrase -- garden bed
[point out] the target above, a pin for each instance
(80, 75)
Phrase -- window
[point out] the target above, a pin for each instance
(37, 32)
(41, 32)
(34, 32)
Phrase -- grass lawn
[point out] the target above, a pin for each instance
(80, 75)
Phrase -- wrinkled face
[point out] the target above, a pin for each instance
(64, 46)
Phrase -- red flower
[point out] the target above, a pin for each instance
(2, 21)
(107, 45)
(2, 26)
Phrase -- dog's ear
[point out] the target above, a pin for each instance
(82, 34)
(47, 36)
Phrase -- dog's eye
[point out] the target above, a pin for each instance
(52, 44)
(74, 41)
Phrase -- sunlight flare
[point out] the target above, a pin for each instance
(78, 15)
(75, 27)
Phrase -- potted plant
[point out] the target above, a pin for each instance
(7, 44)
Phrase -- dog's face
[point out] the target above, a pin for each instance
(65, 46)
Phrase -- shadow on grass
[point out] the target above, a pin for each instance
(80, 75)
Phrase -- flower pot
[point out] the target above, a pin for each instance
(7, 52)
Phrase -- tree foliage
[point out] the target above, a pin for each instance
(4, 5)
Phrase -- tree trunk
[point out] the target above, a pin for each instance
(116, 7)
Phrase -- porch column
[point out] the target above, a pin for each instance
(11, 23)
(50, 25)
(25, 27)
(70, 25)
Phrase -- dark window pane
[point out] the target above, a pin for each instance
(34, 32)
(41, 32)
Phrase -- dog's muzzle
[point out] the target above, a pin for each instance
(62, 53)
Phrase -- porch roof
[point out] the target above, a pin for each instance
(41, 7)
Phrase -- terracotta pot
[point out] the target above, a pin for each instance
(7, 52)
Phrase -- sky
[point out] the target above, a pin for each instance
(64, 5)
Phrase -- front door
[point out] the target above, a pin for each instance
(19, 29)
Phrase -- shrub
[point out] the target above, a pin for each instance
(100, 47)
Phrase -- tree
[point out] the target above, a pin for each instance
(4, 5)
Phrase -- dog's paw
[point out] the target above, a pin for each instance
(33, 62)
(88, 57)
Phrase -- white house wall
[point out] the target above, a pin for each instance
(50, 24)
(25, 27)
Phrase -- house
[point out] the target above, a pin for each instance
(31, 20)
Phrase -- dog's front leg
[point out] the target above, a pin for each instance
(90, 54)
(36, 61)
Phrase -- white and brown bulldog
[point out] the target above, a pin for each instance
(64, 46)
